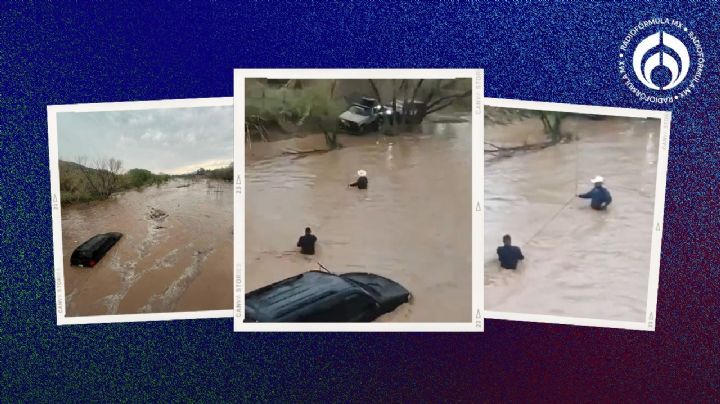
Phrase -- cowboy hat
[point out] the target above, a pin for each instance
(597, 179)
(362, 173)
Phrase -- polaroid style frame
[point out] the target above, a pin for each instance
(475, 321)
(52, 111)
(659, 210)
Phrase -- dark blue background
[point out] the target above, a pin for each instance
(78, 53)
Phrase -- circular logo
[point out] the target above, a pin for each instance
(661, 60)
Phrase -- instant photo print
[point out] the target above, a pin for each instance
(142, 208)
(362, 201)
(574, 197)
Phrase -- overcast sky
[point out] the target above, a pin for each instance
(167, 140)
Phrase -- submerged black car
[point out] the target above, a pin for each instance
(89, 253)
(324, 297)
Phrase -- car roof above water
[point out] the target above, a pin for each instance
(283, 297)
(96, 241)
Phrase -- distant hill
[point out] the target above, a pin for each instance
(67, 166)
(70, 165)
(79, 183)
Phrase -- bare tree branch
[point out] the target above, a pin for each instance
(432, 93)
(415, 91)
(501, 149)
(452, 97)
(375, 90)
(102, 177)
(438, 108)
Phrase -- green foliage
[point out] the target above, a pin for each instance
(75, 185)
(137, 177)
(552, 122)
(312, 107)
(225, 173)
(76, 182)
(268, 105)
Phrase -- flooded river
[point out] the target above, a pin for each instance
(578, 262)
(175, 255)
(412, 225)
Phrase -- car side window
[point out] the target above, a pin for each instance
(353, 306)
(357, 305)
(323, 311)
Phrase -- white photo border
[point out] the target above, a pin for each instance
(476, 317)
(60, 308)
(658, 218)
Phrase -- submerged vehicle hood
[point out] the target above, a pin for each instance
(353, 117)
(386, 291)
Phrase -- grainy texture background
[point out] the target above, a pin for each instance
(123, 51)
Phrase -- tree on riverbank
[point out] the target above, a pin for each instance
(102, 177)
(413, 100)
(138, 178)
(552, 120)
(292, 108)
(552, 128)
(552, 124)
(225, 173)
(84, 181)
(279, 109)
(325, 116)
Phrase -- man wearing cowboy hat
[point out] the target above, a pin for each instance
(599, 196)
(362, 181)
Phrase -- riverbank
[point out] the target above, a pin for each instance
(80, 184)
(302, 144)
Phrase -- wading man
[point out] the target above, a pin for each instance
(362, 181)
(599, 196)
(508, 254)
(307, 242)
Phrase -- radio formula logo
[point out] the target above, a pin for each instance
(663, 56)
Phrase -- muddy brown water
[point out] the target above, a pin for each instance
(175, 255)
(579, 262)
(412, 225)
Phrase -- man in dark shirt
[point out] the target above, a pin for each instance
(362, 181)
(508, 254)
(599, 196)
(307, 242)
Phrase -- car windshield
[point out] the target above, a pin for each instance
(365, 287)
(358, 110)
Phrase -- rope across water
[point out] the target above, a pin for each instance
(577, 158)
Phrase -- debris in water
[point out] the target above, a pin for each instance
(157, 214)
(198, 253)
